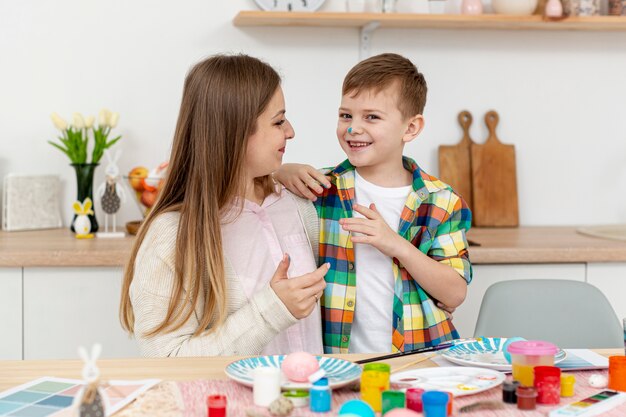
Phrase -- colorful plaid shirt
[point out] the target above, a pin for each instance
(434, 219)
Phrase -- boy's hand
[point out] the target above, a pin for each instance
(301, 179)
(375, 230)
(446, 309)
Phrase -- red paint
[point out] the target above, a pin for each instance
(414, 399)
(526, 398)
(216, 405)
(548, 384)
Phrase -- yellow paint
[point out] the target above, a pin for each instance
(524, 374)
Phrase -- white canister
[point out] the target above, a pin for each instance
(412, 6)
(266, 386)
(515, 7)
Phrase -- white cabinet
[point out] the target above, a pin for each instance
(610, 278)
(65, 307)
(485, 275)
(11, 313)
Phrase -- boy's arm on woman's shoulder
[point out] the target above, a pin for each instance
(303, 180)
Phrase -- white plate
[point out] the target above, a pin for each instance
(459, 381)
(338, 371)
(488, 352)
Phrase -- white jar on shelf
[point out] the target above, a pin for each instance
(437, 6)
(412, 6)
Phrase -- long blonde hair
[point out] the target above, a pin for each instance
(222, 98)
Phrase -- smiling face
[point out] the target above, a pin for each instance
(266, 147)
(372, 131)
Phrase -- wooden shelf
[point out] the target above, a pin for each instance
(428, 21)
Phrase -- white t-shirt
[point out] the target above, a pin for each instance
(372, 326)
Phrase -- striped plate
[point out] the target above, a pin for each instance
(338, 371)
(486, 352)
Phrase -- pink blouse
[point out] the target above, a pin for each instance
(254, 244)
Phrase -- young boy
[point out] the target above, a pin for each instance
(385, 223)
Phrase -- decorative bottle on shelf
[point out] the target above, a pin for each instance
(473, 7)
(554, 8)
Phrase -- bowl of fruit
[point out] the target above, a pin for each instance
(146, 184)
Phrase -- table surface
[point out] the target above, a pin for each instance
(13, 373)
(58, 247)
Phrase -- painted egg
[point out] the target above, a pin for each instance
(298, 366)
(598, 381)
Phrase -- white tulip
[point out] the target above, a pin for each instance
(89, 121)
(103, 118)
(79, 122)
(58, 122)
(113, 119)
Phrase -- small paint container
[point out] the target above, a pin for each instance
(375, 380)
(450, 401)
(548, 384)
(358, 408)
(266, 385)
(624, 322)
(435, 403)
(526, 354)
(567, 385)
(526, 398)
(320, 401)
(414, 399)
(392, 399)
(617, 373)
(299, 397)
(508, 392)
(216, 405)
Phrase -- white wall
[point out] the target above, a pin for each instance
(560, 94)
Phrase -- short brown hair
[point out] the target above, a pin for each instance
(380, 71)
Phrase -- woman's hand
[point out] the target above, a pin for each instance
(302, 180)
(300, 294)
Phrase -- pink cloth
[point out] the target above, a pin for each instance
(239, 399)
(254, 245)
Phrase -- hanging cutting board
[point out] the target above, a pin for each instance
(455, 165)
(494, 180)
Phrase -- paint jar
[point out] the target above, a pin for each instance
(356, 408)
(450, 400)
(414, 399)
(374, 380)
(435, 403)
(508, 392)
(216, 405)
(624, 320)
(266, 385)
(391, 400)
(299, 397)
(617, 373)
(527, 354)
(526, 398)
(320, 396)
(548, 384)
(567, 385)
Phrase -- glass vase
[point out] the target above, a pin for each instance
(84, 189)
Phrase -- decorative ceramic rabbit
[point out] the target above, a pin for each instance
(91, 400)
(82, 225)
(111, 193)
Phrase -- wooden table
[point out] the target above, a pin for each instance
(13, 373)
(518, 245)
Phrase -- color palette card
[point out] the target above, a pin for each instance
(50, 396)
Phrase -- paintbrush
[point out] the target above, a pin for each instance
(482, 405)
(415, 362)
(440, 346)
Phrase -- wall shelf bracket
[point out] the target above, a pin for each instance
(366, 37)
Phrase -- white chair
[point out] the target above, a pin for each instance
(571, 314)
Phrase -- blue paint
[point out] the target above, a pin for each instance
(320, 396)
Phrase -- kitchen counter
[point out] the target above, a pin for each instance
(523, 245)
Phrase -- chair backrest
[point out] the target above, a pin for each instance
(571, 314)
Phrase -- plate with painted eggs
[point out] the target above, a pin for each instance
(457, 380)
(487, 352)
(296, 369)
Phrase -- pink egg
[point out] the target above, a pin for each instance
(298, 366)
(402, 412)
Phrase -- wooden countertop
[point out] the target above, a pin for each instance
(13, 373)
(58, 247)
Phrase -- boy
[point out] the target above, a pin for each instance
(404, 229)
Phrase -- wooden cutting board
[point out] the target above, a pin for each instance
(455, 165)
(494, 180)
